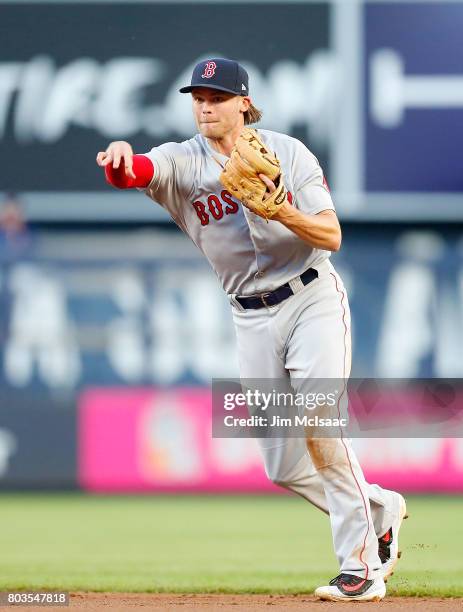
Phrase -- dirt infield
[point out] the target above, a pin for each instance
(94, 602)
(97, 602)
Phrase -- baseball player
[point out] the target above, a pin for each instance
(256, 203)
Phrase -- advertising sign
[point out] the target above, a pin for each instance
(414, 80)
(154, 440)
(64, 99)
(37, 440)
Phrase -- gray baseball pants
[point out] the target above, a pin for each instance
(307, 337)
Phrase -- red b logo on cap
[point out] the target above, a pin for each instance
(209, 70)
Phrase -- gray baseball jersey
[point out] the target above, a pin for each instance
(249, 255)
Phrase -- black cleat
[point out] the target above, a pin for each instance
(388, 544)
(347, 587)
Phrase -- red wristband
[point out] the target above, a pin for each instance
(142, 168)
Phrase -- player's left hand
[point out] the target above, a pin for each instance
(241, 176)
(271, 188)
(268, 183)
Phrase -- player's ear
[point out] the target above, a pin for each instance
(245, 103)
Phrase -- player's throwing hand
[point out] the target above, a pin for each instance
(115, 153)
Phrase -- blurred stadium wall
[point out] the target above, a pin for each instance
(111, 324)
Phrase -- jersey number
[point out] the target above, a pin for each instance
(216, 207)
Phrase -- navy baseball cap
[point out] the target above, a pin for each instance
(222, 74)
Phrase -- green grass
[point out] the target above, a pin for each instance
(207, 544)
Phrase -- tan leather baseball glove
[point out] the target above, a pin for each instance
(240, 176)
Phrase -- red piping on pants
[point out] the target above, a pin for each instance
(342, 438)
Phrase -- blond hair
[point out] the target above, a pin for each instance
(252, 115)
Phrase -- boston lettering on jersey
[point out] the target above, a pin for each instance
(217, 207)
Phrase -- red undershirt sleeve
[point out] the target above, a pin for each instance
(142, 167)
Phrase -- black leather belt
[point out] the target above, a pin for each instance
(278, 295)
